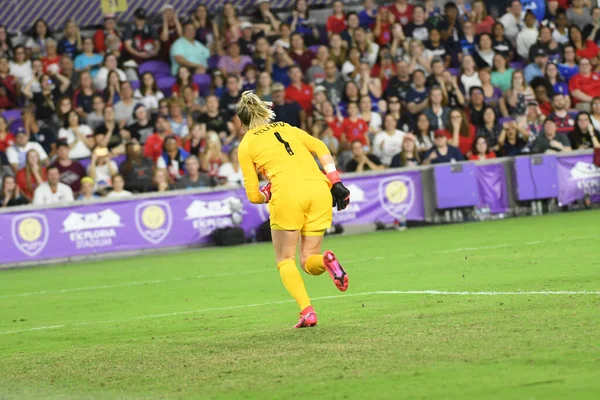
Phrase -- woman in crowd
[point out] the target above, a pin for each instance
(437, 112)
(31, 175)
(263, 88)
(300, 22)
(191, 105)
(491, 93)
(389, 141)
(213, 158)
(510, 142)
(369, 86)
(479, 17)
(231, 171)
(437, 48)
(6, 138)
(20, 66)
(195, 143)
(112, 93)
(285, 38)
(70, 44)
(337, 51)
(161, 181)
(319, 98)
(109, 64)
(51, 60)
(417, 57)
(230, 26)
(584, 136)
(184, 78)
(172, 159)
(408, 156)
(595, 115)
(300, 54)
(385, 68)
(249, 77)
(531, 127)
(423, 133)
(84, 95)
(207, 31)
(118, 188)
(517, 97)
(148, 94)
(460, 132)
(36, 43)
(490, 130)
(6, 46)
(351, 95)
(481, 150)
(569, 66)
(178, 121)
(583, 48)
(370, 117)
(368, 50)
(263, 58)
(404, 121)
(501, 44)
(102, 169)
(501, 73)
(64, 106)
(77, 136)
(454, 94)
(558, 84)
(333, 121)
(44, 101)
(561, 28)
(10, 195)
(110, 134)
(350, 67)
(484, 53)
(233, 62)
(469, 75)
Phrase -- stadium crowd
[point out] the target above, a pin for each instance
(150, 107)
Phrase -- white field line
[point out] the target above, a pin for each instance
(272, 303)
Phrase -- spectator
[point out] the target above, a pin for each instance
(67, 69)
(418, 28)
(108, 38)
(118, 190)
(42, 135)
(96, 117)
(184, 78)
(35, 45)
(350, 66)
(263, 58)
(287, 111)
(492, 95)
(584, 86)
(143, 126)
(547, 43)
(453, 90)
(389, 141)
(315, 75)
(578, 14)
(233, 63)
(467, 41)
(179, 123)
(417, 57)
(527, 36)
(511, 143)
(246, 42)
(481, 150)
(557, 83)
(562, 119)
(561, 32)
(264, 86)
(437, 113)
(404, 121)
(362, 161)
(88, 60)
(84, 96)
(112, 93)
(592, 31)
(438, 49)
(264, 19)
(480, 18)
(283, 44)
(6, 45)
(368, 85)
(6, 138)
(417, 95)
(513, 20)
(384, 69)
(9, 87)
(207, 31)
(408, 156)
(213, 158)
(536, 69)
(501, 73)
(353, 23)
(70, 44)
(148, 94)
(322, 131)
(137, 171)
(334, 122)
(550, 141)
(44, 100)
(51, 61)
(543, 92)
(193, 178)
(230, 26)
(461, 134)
(160, 182)
(215, 120)
(31, 175)
(338, 51)
(102, 169)
(153, 148)
(170, 31)
(87, 189)
(399, 84)
(371, 118)
(501, 43)
(77, 135)
(124, 108)
(53, 191)
(402, 11)
(368, 50)
(450, 26)
(110, 134)
(423, 133)
(281, 66)
(569, 67)
(595, 115)
(249, 77)
(299, 91)
(584, 136)
(229, 99)
(109, 64)
(484, 53)
(490, 128)
(189, 52)
(300, 22)
(70, 171)
(336, 23)
(10, 195)
(20, 66)
(141, 40)
(191, 105)
(16, 154)
(442, 152)
(583, 48)
(195, 143)
(469, 75)
(172, 159)
(518, 96)
(355, 128)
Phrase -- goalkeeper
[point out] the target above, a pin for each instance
(299, 196)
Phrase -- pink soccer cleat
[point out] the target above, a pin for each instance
(336, 271)
(308, 318)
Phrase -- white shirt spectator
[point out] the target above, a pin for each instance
(512, 26)
(387, 146)
(125, 112)
(44, 195)
(118, 195)
(233, 178)
(150, 101)
(103, 177)
(23, 72)
(376, 121)
(17, 155)
(559, 37)
(469, 81)
(102, 75)
(79, 150)
(372, 55)
(525, 39)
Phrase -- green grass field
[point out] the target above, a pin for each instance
(216, 323)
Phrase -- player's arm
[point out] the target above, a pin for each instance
(340, 194)
(254, 194)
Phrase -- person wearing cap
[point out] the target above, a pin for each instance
(87, 189)
(107, 34)
(246, 42)
(52, 191)
(189, 52)
(263, 18)
(70, 171)
(287, 111)
(536, 68)
(546, 42)
(16, 153)
(527, 36)
(442, 152)
(141, 40)
(170, 31)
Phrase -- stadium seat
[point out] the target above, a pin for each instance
(501, 121)
(203, 81)
(314, 48)
(135, 84)
(454, 71)
(11, 115)
(517, 65)
(213, 62)
(165, 84)
(157, 68)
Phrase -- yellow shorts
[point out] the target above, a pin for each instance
(303, 205)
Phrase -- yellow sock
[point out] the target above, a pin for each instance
(292, 280)
(314, 265)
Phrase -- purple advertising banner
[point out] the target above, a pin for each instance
(577, 177)
(535, 177)
(493, 193)
(456, 185)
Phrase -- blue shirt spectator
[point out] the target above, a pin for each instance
(567, 71)
(532, 71)
(88, 60)
(367, 21)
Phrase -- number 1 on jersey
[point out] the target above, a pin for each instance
(288, 148)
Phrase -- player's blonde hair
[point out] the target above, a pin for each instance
(253, 112)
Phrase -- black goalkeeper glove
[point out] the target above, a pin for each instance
(341, 196)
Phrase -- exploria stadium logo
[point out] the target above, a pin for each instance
(153, 220)
(397, 195)
(206, 216)
(30, 233)
(92, 230)
(587, 176)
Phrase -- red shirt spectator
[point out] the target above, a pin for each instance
(108, 38)
(336, 23)
(8, 86)
(337, 127)
(564, 124)
(175, 89)
(27, 190)
(465, 143)
(586, 81)
(589, 51)
(299, 92)
(6, 138)
(356, 129)
(303, 59)
(49, 61)
(154, 146)
(475, 157)
(402, 11)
